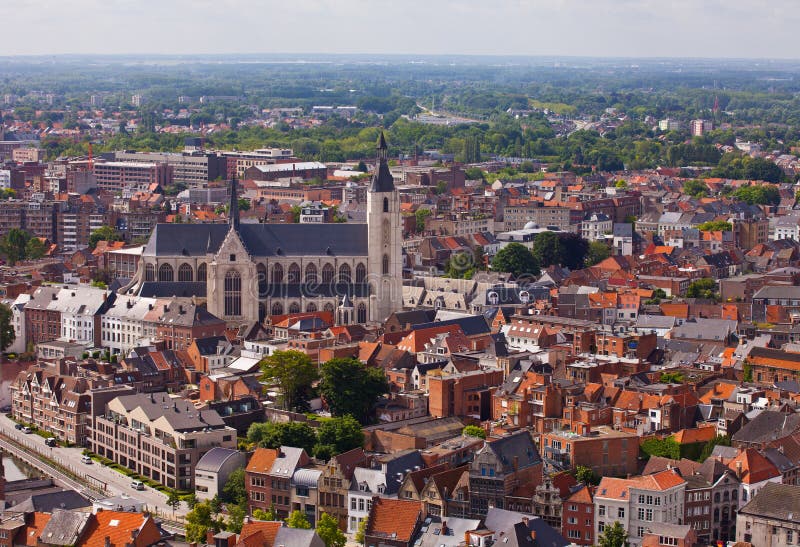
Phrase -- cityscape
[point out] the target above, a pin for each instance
(451, 293)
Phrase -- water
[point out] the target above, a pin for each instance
(16, 470)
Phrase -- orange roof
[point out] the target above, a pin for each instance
(259, 533)
(261, 461)
(755, 467)
(33, 529)
(719, 391)
(584, 495)
(415, 340)
(700, 434)
(614, 488)
(675, 310)
(118, 526)
(389, 516)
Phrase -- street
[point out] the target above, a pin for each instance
(96, 476)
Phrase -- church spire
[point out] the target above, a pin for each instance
(382, 180)
(233, 209)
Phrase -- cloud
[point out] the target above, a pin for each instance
(622, 28)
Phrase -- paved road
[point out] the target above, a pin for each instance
(99, 477)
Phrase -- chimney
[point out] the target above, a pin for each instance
(107, 541)
(444, 527)
(533, 535)
(739, 470)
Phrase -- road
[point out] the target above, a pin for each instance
(98, 478)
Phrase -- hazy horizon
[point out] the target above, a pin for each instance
(599, 29)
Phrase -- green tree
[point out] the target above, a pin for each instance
(351, 387)
(173, 500)
(328, 530)
(517, 260)
(199, 521)
(715, 226)
(295, 373)
(747, 371)
(34, 249)
(361, 533)
(473, 173)
(298, 519)
(421, 215)
(695, 188)
(586, 475)
(666, 448)
(275, 435)
(547, 249)
(460, 266)
(719, 440)
(597, 252)
(234, 491)
(613, 536)
(270, 514)
(765, 194)
(104, 233)
(702, 288)
(474, 431)
(672, 377)
(7, 335)
(244, 204)
(343, 433)
(13, 245)
(236, 514)
(572, 250)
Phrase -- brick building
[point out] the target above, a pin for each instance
(604, 450)
(463, 394)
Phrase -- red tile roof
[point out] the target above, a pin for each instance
(390, 516)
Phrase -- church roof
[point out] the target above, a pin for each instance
(260, 239)
(382, 180)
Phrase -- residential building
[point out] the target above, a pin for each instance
(123, 325)
(771, 517)
(639, 501)
(257, 481)
(334, 484)
(119, 176)
(577, 516)
(606, 451)
(213, 470)
(754, 471)
(393, 523)
(596, 226)
(159, 436)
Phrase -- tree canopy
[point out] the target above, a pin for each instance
(328, 530)
(517, 260)
(597, 252)
(7, 335)
(275, 435)
(104, 233)
(342, 434)
(474, 431)
(295, 373)
(702, 288)
(348, 386)
(613, 536)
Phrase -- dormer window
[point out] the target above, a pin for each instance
(381, 488)
(364, 487)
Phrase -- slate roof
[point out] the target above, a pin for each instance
(214, 459)
(501, 520)
(768, 426)
(180, 414)
(64, 527)
(775, 501)
(297, 537)
(471, 325)
(345, 239)
(46, 503)
(517, 445)
(168, 289)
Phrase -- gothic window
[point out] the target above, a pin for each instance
(361, 273)
(262, 311)
(328, 307)
(311, 307)
(277, 308)
(362, 313)
(327, 273)
(166, 273)
(261, 274)
(149, 273)
(294, 273)
(345, 274)
(185, 273)
(277, 274)
(202, 272)
(385, 205)
(385, 265)
(233, 293)
(294, 307)
(311, 273)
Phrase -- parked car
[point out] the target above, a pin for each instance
(137, 485)
(50, 441)
(18, 426)
(27, 429)
(86, 460)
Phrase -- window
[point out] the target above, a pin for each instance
(294, 273)
(385, 265)
(385, 205)
(362, 313)
(149, 273)
(789, 537)
(601, 510)
(345, 274)
(574, 534)
(311, 273)
(621, 512)
(648, 515)
(233, 293)
(640, 513)
(185, 273)
(361, 504)
(277, 274)
(202, 272)
(277, 308)
(327, 273)
(166, 273)
(352, 504)
(601, 526)
(361, 273)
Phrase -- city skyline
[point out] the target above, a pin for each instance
(603, 28)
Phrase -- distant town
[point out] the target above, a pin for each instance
(450, 314)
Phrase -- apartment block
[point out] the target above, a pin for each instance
(117, 176)
(604, 450)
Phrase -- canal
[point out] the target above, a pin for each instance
(16, 469)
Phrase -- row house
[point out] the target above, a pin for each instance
(334, 485)
(123, 325)
(179, 321)
(443, 491)
(53, 403)
(70, 313)
(602, 449)
(577, 516)
(638, 502)
(499, 468)
(159, 436)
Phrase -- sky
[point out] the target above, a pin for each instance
(596, 28)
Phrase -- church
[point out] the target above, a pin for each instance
(247, 271)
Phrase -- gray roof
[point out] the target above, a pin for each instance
(778, 291)
(180, 414)
(307, 477)
(705, 329)
(432, 535)
(46, 503)
(286, 463)
(64, 527)
(345, 239)
(644, 321)
(518, 445)
(214, 459)
(775, 501)
(501, 520)
(768, 426)
(623, 229)
(297, 537)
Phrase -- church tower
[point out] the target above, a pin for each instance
(385, 261)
